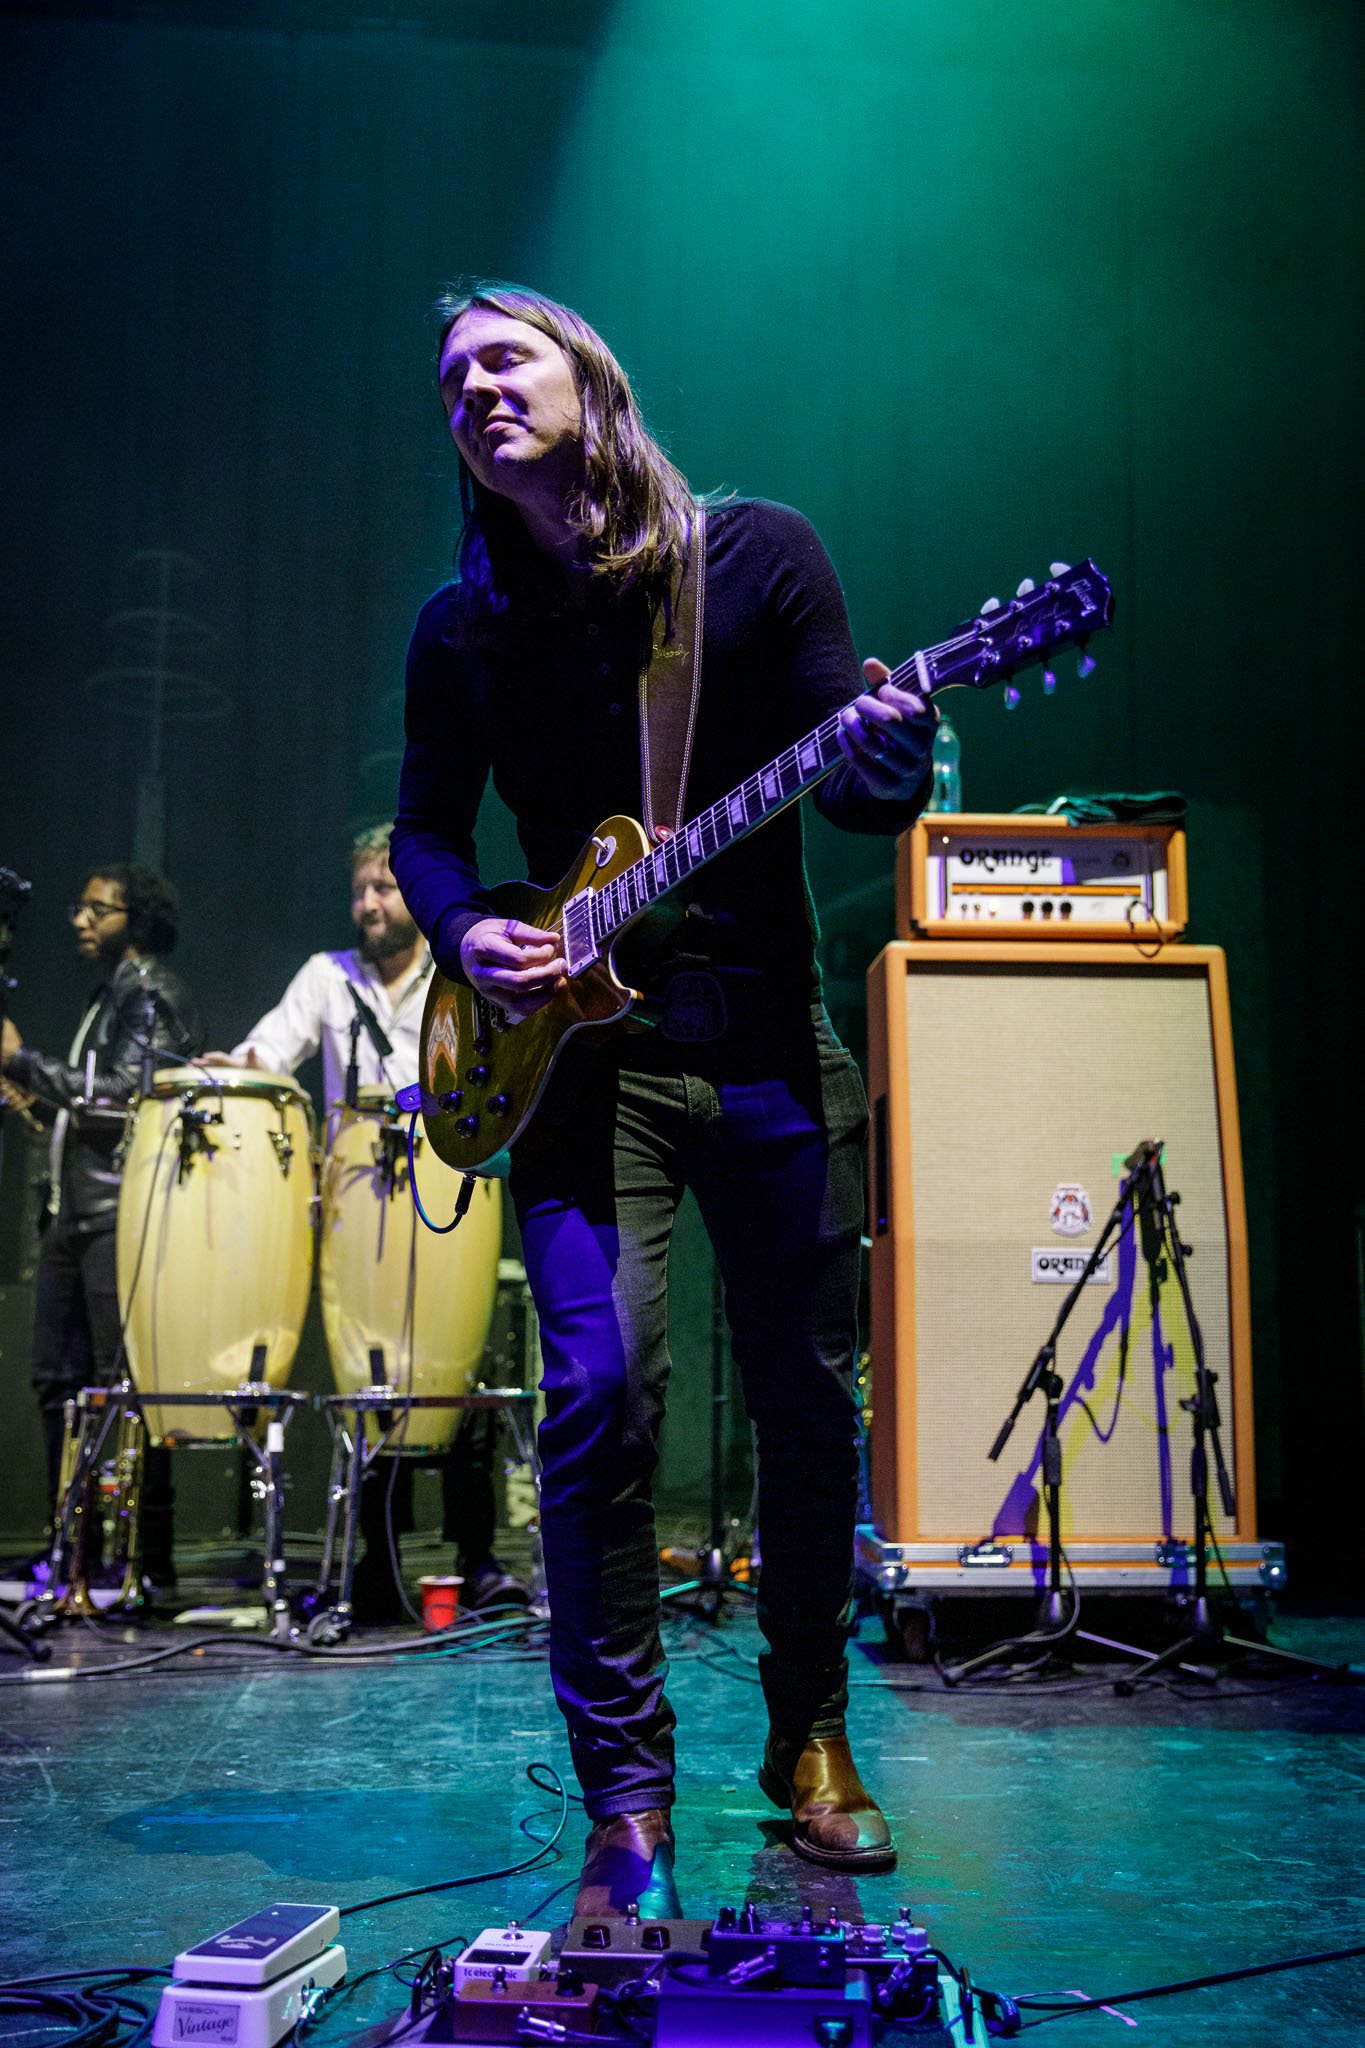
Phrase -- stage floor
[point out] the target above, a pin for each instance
(1054, 1839)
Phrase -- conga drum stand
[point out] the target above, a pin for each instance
(89, 1418)
(353, 1453)
(95, 1413)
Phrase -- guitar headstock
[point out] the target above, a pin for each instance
(1004, 639)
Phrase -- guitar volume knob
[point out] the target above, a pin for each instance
(452, 1098)
(476, 1076)
(498, 1104)
(468, 1124)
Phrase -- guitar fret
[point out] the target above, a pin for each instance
(1071, 607)
(964, 656)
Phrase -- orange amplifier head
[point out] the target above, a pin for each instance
(969, 875)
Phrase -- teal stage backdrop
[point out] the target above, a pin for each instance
(974, 283)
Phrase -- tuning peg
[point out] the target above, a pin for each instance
(1025, 587)
(1049, 681)
(1058, 568)
(1011, 696)
(992, 604)
(1085, 665)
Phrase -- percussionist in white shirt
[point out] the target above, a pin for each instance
(388, 969)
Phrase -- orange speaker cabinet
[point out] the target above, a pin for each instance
(1008, 1082)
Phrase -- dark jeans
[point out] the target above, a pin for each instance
(75, 1345)
(767, 1130)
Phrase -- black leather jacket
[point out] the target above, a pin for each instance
(143, 1005)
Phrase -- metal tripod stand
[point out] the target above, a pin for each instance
(706, 1592)
(1153, 1205)
(1058, 1616)
(1207, 1638)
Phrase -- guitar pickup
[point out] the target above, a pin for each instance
(580, 942)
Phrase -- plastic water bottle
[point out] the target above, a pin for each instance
(947, 759)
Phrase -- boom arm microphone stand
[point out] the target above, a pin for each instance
(1058, 1616)
(1207, 1636)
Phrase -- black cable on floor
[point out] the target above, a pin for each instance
(1060, 2011)
(464, 1636)
(450, 1884)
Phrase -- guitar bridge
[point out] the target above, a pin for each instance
(580, 942)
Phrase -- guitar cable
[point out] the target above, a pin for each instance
(462, 1200)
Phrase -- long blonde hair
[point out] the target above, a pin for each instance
(635, 509)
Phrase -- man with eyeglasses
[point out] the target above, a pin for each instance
(125, 919)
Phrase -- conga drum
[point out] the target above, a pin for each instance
(215, 1240)
(402, 1306)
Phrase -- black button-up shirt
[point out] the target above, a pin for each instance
(552, 713)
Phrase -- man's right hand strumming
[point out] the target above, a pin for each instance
(515, 965)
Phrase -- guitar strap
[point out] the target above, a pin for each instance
(670, 687)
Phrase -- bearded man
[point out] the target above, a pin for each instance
(390, 967)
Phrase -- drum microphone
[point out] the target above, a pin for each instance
(373, 1029)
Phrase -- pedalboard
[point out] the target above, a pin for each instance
(808, 1983)
(250, 1985)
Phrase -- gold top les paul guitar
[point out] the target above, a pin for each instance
(482, 1075)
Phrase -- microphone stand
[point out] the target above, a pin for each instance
(13, 893)
(364, 1019)
(1058, 1616)
(1154, 1210)
(706, 1593)
(1208, 1636)
(353, 1064)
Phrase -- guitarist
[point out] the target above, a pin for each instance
(577, 528)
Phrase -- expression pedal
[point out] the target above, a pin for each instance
(248, 1986)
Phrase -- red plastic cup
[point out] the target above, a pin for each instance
(440, 1600)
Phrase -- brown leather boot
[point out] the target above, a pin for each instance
(835, 1819)
(628, 1861)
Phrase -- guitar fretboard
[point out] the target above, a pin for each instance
(778, 783)
(1067, 609)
